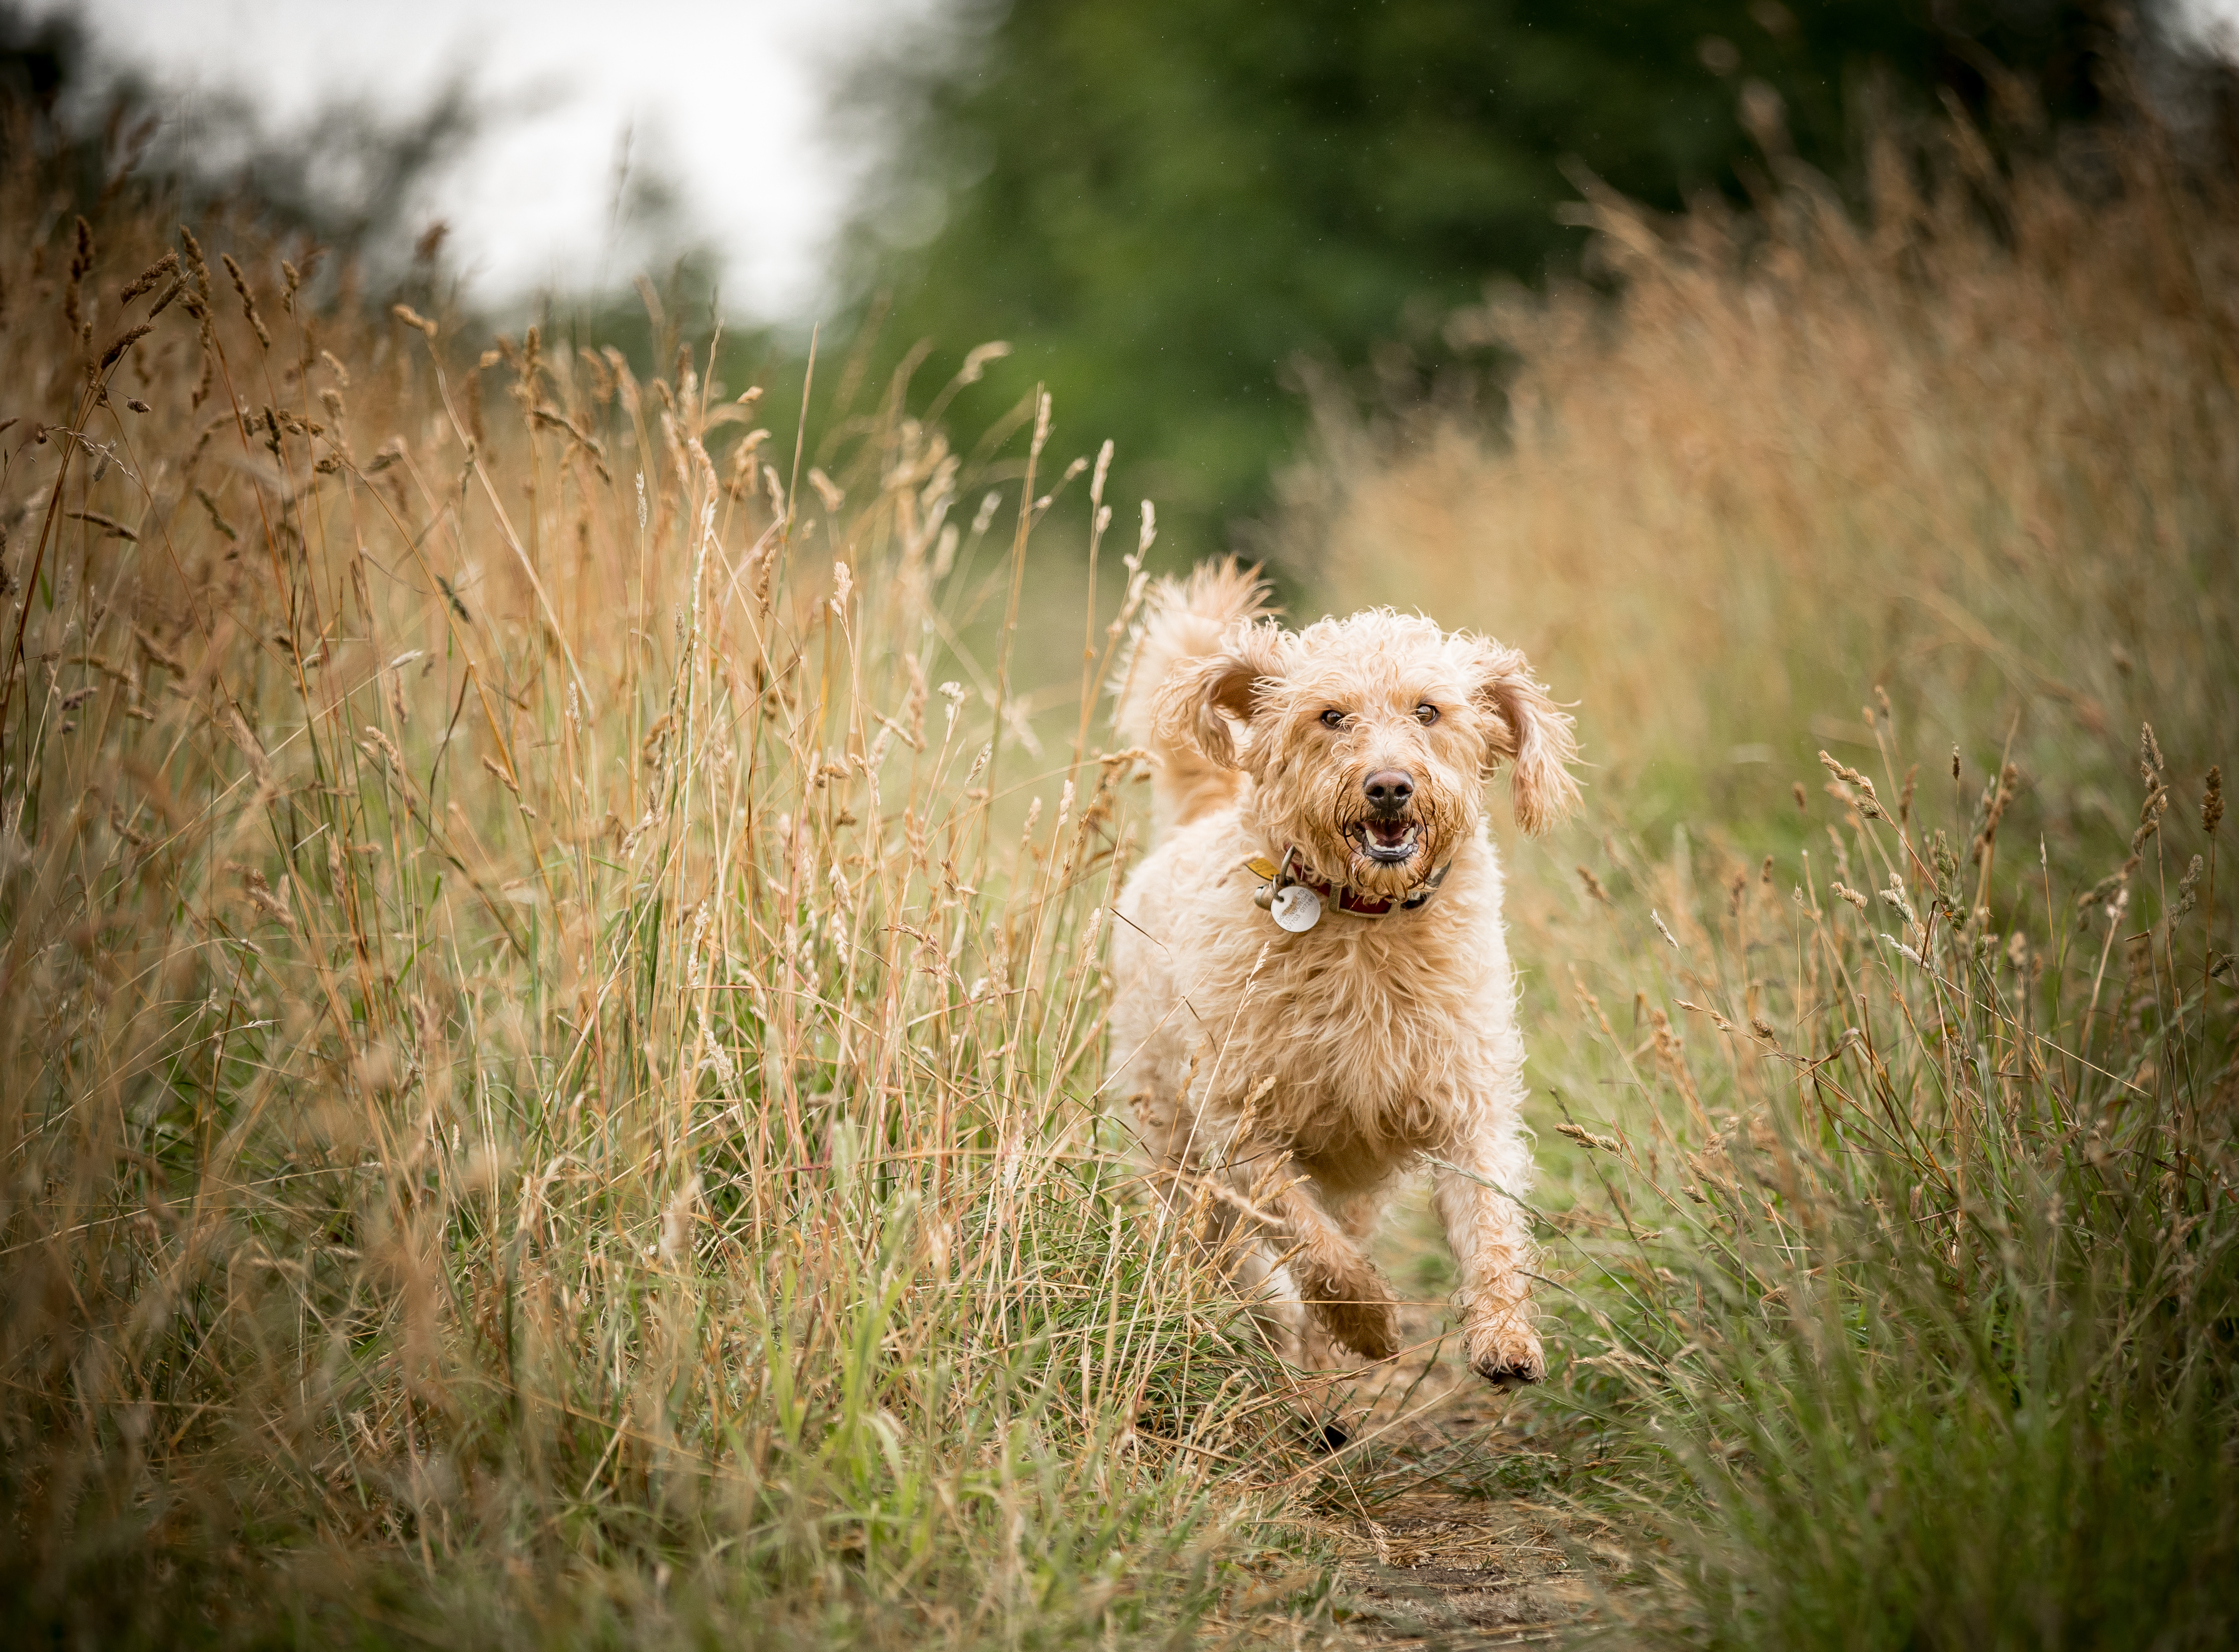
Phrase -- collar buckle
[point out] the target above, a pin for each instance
(1276, 877)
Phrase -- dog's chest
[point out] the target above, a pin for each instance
(1363, 1032)
(1322, 981)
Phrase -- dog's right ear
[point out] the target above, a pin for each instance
(1196, 703)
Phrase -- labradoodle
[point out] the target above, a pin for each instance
(1315, 992)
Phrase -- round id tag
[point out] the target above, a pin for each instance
(1296, 908)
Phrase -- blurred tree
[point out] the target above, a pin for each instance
(350, 178)
(1164, 204)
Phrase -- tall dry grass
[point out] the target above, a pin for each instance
(1901, 1227)
(1975, 441)
(1885, 1059)
(549, 1009)
(549, 1000)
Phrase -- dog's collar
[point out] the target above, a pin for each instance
(1342, 897)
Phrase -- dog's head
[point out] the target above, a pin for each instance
(1369, 739)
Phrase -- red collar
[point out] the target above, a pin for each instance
(1342, 897)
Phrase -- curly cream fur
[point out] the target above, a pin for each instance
(1305, 1073)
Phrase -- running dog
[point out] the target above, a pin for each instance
(1315, 993)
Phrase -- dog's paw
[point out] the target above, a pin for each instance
(1328, 1438)
(1369, 1328)
(1505, 1350)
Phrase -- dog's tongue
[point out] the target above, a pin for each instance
(1390, 834)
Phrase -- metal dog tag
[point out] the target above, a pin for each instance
(1297, 908)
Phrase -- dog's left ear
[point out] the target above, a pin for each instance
(1529, 730)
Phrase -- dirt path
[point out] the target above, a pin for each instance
(1441, 1504)
(1432, 1572)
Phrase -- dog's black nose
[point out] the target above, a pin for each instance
(1389, 789)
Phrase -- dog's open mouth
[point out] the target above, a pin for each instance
(1388, 843)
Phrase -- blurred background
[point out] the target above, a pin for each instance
(1187, 219)
(1827, 342)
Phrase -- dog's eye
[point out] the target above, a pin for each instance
(1333, 718)
(1427, 713)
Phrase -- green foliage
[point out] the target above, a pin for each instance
(1167, 205)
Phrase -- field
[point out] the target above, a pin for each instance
(551, 998)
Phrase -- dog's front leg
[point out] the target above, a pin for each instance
(1491, 1238)
(1341, 1287)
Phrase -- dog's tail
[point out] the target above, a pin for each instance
(1185, 620)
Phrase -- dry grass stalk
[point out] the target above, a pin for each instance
(523, 1087)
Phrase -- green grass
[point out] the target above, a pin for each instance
(1905, 1245)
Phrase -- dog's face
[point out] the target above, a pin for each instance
(1369, 739)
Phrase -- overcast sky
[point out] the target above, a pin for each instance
(726, 99)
